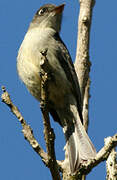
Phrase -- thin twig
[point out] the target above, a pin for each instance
(26, 129)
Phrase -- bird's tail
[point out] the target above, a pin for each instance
(78, 145)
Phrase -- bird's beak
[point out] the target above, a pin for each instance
(58, 9)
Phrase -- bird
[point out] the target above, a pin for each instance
(64, 96)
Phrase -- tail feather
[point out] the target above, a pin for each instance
(73, 154)
(86, 148)
(78, 145)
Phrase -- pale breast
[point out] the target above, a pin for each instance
(28, 65)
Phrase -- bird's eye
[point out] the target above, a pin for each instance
(42, 11)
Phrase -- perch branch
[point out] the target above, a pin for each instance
(26, 129)
(49, 135)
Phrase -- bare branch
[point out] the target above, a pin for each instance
(48, 131)
(26, 129)
(49, 161)
(82, 63)
(86, 105)
(111, 163)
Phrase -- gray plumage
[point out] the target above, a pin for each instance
(63, 90)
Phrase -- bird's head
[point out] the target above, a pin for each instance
(48, 16)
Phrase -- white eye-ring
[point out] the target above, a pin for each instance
(42, 11)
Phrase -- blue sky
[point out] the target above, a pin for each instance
(17, 159)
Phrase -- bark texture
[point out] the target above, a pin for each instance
(111, 163)
(82, 62)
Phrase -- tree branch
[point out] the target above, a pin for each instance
(86, 105)
(26, 129)
(82, 62)
(48, 131)
(49, 161)
(111, 163)
(48, 158)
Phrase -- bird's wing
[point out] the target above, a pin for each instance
(68, 67)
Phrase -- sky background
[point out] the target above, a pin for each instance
(17, 159)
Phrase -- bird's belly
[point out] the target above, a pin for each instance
(29, 72)
(28, 66)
